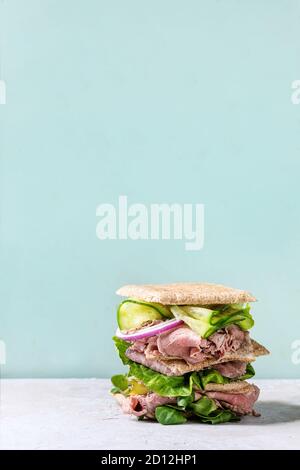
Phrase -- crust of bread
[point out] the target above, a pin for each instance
(233, 387)
(189, 293)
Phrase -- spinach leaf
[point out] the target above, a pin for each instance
(212, 375)
(208, 412)
(219, 416)
(120, 382)
(168, 415)
(203, 407)
(184, 402)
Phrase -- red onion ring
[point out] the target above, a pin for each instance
(150, 330)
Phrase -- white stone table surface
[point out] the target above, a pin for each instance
(80, 414)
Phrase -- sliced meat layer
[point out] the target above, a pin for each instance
(239, 399)
(175, 367)
(163, 367)
(240, 403)
(183, 343)
(231, 369)
(142, 405)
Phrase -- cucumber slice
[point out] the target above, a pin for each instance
(162, 309)
(132, 313)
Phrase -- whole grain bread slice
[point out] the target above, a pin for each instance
(233, 387)
(188, 293)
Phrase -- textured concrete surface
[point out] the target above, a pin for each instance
(80, 414)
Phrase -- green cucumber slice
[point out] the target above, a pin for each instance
(132, 313)
(162, 309)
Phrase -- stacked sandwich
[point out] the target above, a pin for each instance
(189, 353)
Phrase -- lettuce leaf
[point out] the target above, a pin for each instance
(219, 416)
(212, 375)
(163, 385)
(184, 402)
(208, 412)
(204, 410)
(203, 407)
(122, 346)
(169, 415)
(196, 380)
(205, 321)
(120, 381)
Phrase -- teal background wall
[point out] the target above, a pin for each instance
(163, 101)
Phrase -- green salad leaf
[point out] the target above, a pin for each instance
(184, 402)
(169, 415)
(205, 321)
(219, 416)
(120, 383)
(122, 346)
(203, 409)
(212, 375)
(195, 380)
(204, 406)
(163, 385)
(208, 412)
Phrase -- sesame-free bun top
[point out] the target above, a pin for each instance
(186, 293)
